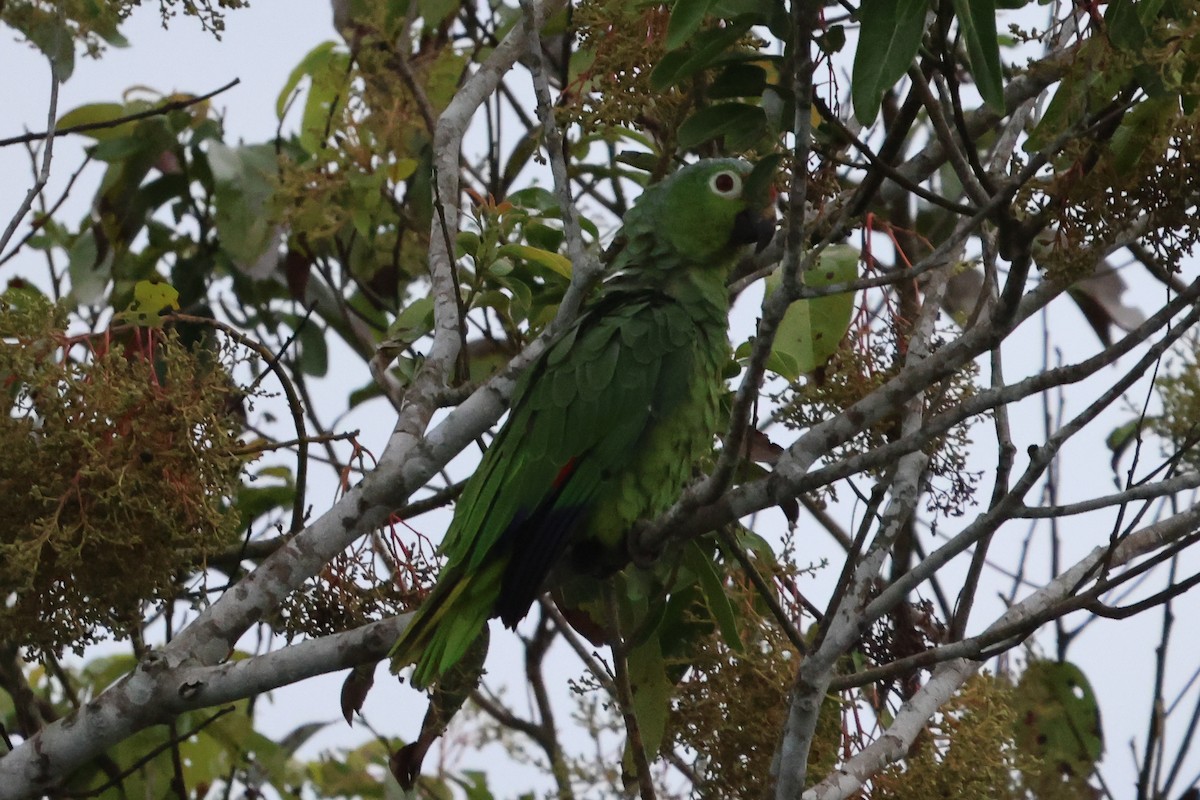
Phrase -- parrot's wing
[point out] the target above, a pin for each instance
(578, 423)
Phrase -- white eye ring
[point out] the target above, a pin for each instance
(726, 184)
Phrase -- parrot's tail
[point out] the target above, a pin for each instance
(442, 629)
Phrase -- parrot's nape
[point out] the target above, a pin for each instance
(608, 422)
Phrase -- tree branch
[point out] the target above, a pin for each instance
(410, 459)
(948, 677)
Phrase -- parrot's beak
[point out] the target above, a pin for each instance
(753, 226)
(756, 224)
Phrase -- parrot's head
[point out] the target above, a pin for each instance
(707, 211)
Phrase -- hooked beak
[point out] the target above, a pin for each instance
(756, 224)
(754, 227)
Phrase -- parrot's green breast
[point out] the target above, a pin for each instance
(679, 438)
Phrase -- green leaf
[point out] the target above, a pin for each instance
(1066, 107)
(757, 546)
(402, 169)
(554, 262)
(412, 323)
(1058, 718)
(811, 330)
(1149, 12)
(348, 773)
(435, 12)
(245, 183)
(112, 149)
(150, 299)
(89, 273)
(977, 19)
(93, 113)
(314, 350)
(327, 68)
(522, 151)
(364, 393)
(543, 236)
(686, 16)
(474, 785)
(50, 35)
(492, 298)
(1139, 128)
(651, 693)
(101, 672)
(832, 40)
(258, 498)
(442, 80)
(739, 80)
(741, 124)
(311, 61)
(521, 300)
(764, 173)
(1123, 24)
(713, 588)
(761, 9)
(21, 295)
(500, 267)
(7, 709)
(534, 198)
(889, 39)
(706, 47)
(277, 471)
(646, 162)
(466, 243)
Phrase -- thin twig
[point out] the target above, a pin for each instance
(585, 266)
(506, 717)
(587, 656)
(294, 404)
(765, 592)
(151, 755)
(891, 173)
(535, 655)
(635, 744)
(47, 214)
(165, 108)
(43, 175)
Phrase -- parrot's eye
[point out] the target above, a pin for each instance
(726, 184)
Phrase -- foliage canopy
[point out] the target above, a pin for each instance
(961, 182)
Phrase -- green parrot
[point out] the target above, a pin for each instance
(608, 422)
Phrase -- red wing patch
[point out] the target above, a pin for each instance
(564, 473)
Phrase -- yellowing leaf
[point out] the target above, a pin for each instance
(811, 330)
(402, 170)
(544, 258)
(1058, 719)
(150, 299)
(155, 295)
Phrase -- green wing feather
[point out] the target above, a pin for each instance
(605, 428)
(579, 422)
